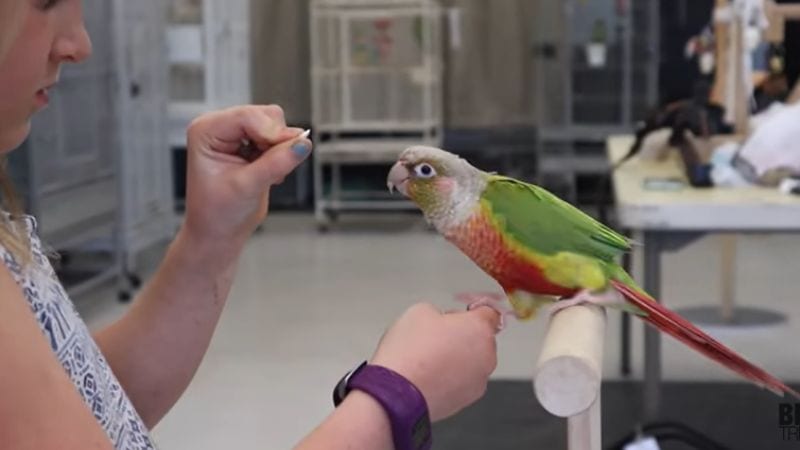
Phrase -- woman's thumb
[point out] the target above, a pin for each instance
(275, 164)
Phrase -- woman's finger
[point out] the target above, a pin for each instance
(275, 164)
(227, 130)
(488, 315)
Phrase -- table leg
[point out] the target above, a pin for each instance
(336, 184)
(625, 344)
(728, 314)
(625, 328)
(652, 337)
(728, 262)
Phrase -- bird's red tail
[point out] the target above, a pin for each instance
(683, 330)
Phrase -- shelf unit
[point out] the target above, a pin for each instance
(582, 104)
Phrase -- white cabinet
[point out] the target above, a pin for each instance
(209, 59)
(146, 213)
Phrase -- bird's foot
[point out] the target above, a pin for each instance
(492, 300)
(607, 298)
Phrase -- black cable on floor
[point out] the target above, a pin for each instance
(671, 431)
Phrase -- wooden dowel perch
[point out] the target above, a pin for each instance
(569, 373)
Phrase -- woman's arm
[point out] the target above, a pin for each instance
(359, 423)
(155, 349)
(39, 406)
(448, 357)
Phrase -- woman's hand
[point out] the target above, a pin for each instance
(448, 357)
(227, 196)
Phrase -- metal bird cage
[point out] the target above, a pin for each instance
(376, 74)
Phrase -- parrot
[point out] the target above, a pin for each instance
(542, 250)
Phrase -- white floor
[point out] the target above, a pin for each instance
(307, 306)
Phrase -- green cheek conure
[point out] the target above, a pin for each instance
(540, 249)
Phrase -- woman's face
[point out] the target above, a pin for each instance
(50, 32)
(11, 16)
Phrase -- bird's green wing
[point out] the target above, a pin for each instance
(544, 223)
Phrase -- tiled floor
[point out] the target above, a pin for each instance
(307, 306)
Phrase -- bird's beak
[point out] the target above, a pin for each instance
(398, 178)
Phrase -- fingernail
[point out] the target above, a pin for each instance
(301, 149)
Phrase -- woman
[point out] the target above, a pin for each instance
(62, 387)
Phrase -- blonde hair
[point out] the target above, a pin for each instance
(13, 233)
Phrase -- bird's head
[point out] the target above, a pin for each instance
(435, 180)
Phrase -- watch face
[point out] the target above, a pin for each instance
(421, 432)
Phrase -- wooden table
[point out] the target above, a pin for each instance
(669, 220)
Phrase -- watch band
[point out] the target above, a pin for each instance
(403, 402)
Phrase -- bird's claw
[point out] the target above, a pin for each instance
(587, 297)
(491, 300)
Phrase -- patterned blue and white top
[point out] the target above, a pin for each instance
(72, 342)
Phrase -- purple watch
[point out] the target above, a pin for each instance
(402, 401)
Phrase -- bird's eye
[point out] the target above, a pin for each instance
(425, 170)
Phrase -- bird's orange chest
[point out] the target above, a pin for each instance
(479, 239)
